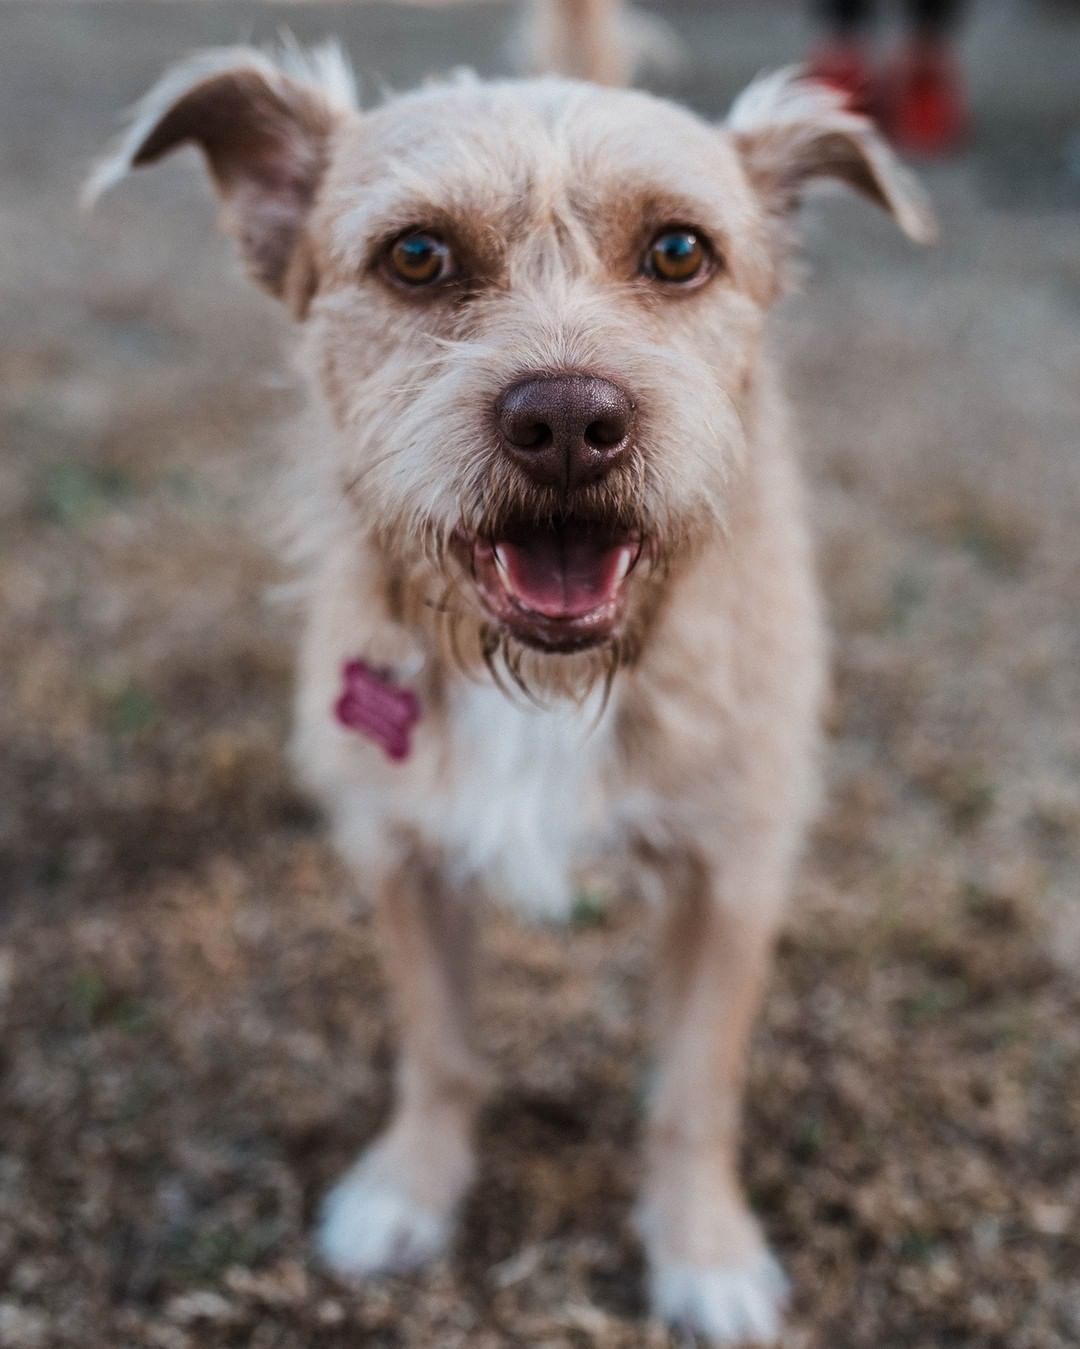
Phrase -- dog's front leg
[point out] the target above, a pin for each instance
(394, 1208)
(709, 1269)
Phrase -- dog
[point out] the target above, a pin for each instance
(558, 591)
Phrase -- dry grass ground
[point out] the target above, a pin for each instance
(194, 1037)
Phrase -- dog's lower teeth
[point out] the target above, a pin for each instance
(622, 567)
(502, 567)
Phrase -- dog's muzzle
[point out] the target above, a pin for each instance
(555, 578)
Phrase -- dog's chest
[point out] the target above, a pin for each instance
(527, 808)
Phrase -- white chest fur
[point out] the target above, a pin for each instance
(526, 800)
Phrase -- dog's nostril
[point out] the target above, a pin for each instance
(531, 435)
(606, 432)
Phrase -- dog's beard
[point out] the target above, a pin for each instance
(542, 678)
(435, 591)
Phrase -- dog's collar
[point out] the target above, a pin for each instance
(372, 703)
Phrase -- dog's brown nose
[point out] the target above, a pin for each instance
(565, 431)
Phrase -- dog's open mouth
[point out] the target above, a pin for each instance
(560, 586)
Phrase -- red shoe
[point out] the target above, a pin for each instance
(924, 107)
(843, 65)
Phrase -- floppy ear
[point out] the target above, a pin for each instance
(792, 131)
(264, 126)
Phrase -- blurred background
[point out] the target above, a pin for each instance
(193, 1035)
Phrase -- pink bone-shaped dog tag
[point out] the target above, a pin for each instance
(372, 704)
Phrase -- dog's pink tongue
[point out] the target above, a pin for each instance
(563, 574)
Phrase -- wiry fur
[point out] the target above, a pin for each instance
(682, 752)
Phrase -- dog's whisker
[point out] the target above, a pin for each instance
(440, 607)
(351, 484)
(612, 668)
(512, 658)
(491, 642)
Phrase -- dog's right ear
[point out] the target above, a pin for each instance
(264, 126)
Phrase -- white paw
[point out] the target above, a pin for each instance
(369, 1225)
(725, 1304)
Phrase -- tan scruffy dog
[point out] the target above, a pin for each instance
(560, 606)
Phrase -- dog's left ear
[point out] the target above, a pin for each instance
(791, 131)
(264, 125)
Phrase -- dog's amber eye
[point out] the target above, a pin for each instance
(676, 255)
(420, 259)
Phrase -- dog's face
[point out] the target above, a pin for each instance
(534, 310)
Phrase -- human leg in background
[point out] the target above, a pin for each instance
(923, 101)
(841, 59)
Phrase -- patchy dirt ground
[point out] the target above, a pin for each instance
(193, 1037)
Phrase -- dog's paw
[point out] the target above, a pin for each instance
(724, 1304)
(369, 1225)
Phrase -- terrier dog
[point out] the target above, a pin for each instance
(559, 595)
